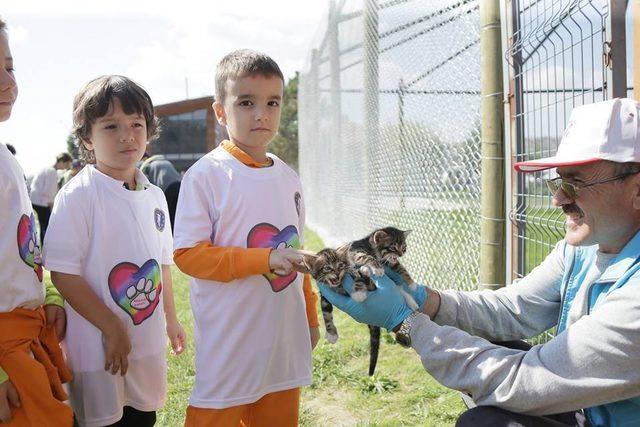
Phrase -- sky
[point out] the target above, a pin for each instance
(169, 47)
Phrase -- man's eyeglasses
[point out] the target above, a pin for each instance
(571, 188)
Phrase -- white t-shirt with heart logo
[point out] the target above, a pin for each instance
(251, 334)
(20, 257)
(117, 240)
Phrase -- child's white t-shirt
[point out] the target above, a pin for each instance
(117, 240)
(251, 334)
(20, 256)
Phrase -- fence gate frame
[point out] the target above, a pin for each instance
(615, 85)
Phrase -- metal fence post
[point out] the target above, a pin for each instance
(615, 50)
(335, 148)
(371, 101)
(492, 225)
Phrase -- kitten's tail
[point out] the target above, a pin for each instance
(374, 348)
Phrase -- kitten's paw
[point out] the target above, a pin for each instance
(364, 270)
(359, 296)
(412, 285)
(331, 338)
(378, 271)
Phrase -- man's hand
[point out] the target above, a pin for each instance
(8, 397)
(428, 300)
(384, 307)
(282, 261)
(57, 317)
(117, 346)
(314, 332)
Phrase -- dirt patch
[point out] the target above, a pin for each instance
(330, 410)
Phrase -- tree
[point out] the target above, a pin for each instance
(72, 148)
(285, 144)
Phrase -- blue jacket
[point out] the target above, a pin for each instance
(623, 271)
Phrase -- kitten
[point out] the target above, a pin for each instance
(330, 266)
(383, 247)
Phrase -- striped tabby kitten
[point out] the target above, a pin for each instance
(383, 247)
(330, 266)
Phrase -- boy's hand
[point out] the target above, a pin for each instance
(177, 336)
(57, 317)
(117, 347)
(282, 261)
(8, 397)
(314, 331)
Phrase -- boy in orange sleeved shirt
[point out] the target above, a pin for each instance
(238, 230)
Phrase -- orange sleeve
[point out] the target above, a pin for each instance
(311, 301)
(222, 264)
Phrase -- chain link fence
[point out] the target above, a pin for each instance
(389, 121)
(389, 131)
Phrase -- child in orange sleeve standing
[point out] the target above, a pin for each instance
(239, 226)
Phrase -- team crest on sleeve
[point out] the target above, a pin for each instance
(159, 219)
(296, 200)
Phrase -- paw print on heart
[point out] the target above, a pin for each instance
(135, 289)
(141, 294)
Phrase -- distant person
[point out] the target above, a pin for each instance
(44, 188)
(76, 166)
(162, 173)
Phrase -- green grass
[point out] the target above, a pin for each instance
(401, 393)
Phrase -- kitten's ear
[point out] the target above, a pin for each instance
(306, 266)
(379, 237)
(407, 232)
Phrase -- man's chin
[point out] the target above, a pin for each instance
(578, 236)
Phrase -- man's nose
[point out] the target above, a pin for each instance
(560, 198)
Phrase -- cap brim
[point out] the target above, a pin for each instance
(550, 162)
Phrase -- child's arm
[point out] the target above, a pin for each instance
(175, 331)
(54, 310)
(8, 397)
(81, 297)
(224, 264)
(311, 301)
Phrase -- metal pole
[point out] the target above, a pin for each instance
(371, 104)
(334, 147)
(492, 226)
(616, 50)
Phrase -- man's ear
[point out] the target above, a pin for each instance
(636, 192)
(218, 109)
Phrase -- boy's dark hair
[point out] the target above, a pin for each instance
(95, 99)
(11, 148)
(242, 63)
(64, 157)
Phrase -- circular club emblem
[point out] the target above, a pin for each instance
(158, 216)
(296, 200)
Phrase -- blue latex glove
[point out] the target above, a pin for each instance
(384, 307)
(419, 294)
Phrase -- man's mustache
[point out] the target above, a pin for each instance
(572, 209)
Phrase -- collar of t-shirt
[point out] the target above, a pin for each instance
(142, 182)
(242, 156)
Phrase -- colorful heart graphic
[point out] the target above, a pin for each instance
(265, 235)
(136, 289)
(29, 245)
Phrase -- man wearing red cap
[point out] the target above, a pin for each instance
(588, 287)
